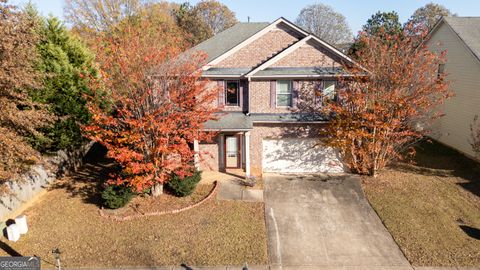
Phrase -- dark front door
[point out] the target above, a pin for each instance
(232, 151)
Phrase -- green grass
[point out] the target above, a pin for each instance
(425, 206)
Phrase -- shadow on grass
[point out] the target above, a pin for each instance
(9, 250)
(471, 231)
(87, 181)
(435, 159)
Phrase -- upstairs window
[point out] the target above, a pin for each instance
(232, 93)
(284, 93)
(325, 91)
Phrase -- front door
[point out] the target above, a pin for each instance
(232, 151)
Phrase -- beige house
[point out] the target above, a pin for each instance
(460, 37)
(273, 76)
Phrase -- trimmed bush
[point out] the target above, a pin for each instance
(116, 196)
(186, 186)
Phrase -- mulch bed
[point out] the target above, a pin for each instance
(143, 206)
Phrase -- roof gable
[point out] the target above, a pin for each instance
(240, 36)
(233, 39)
(336, 57)
(467, 30)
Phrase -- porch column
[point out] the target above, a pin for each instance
(196, 157)
(221, 152)
(247, 153)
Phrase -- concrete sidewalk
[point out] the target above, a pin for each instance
(234, 191)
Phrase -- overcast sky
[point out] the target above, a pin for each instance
(356, 12)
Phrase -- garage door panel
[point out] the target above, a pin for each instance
(299, 156)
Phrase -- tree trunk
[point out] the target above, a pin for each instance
(157, 190)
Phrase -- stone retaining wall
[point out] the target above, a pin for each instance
(28, 185)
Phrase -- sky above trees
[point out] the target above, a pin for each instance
(269, 10)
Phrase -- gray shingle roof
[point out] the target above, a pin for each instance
(279, 71)
(224, 41)
(468, 29)
(240, 121)
(230, 121)
(226, 71)
(288, 117)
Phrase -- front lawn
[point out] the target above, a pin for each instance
(214, 233)
(431, 209)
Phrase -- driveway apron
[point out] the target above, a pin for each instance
(315, 222)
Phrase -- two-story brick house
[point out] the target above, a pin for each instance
(272, 75)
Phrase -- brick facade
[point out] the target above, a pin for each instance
(260, 49)
(260, 97)
(209, 156)
(308, 55)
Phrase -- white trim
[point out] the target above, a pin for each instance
(252, 38)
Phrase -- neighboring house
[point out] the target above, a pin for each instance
(460, 37)
(273, 76)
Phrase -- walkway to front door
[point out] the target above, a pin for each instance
(325, 224)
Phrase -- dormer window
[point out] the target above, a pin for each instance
(232, 93)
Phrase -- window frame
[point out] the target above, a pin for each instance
(440, 70)
(277, 93)
(321, 86)
(226, 93)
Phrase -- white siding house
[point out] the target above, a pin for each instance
(460, 37)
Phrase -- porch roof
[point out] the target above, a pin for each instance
(225, 71)
(234, 121)
(298, 71)
(288, 118)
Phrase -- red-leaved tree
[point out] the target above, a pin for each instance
(391, 105)
(154, 106)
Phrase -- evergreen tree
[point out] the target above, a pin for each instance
(67, 64)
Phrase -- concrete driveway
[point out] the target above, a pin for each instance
(317, 222)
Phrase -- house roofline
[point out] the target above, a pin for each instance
(295, 46)
(437, 26)
(254, 37)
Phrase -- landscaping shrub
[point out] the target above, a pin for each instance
(116, 196)
(186, 186)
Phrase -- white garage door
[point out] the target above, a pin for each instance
(299, 156)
